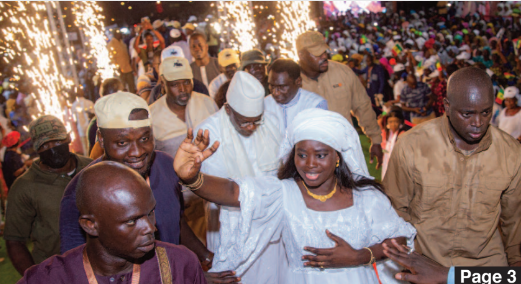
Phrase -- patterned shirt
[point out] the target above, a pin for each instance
(416, 98)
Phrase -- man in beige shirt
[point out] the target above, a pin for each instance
(458, 181)
(118, 52)
(339, 85)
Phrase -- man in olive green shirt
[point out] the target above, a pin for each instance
(34, 198)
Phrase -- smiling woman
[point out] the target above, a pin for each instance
(324, 206)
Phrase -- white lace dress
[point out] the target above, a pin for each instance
(271, 209)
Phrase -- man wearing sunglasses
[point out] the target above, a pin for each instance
(249, 141)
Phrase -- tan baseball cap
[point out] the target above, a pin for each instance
(312, 41)
(189, 26)
(175, 68)
(113, 111)
(227, 57)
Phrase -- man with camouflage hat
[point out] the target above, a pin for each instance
(254, 62)
(34, 198)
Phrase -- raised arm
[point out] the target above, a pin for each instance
(160, 38)
(187, 165)
(136, 42)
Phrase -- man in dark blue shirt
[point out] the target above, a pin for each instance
(125, 133)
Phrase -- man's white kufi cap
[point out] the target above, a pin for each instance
(246, 95)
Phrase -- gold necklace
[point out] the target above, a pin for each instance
(322, 198)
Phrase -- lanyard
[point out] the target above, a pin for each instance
(136, 270)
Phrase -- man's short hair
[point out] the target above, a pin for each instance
(197, 35)
(286, 65)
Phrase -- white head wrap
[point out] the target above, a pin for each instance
(331, 129)
(246, 95)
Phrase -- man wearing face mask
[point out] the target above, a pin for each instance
(34, 198)
(181, 108)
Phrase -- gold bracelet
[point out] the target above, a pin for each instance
(372, 260)
(196, 185)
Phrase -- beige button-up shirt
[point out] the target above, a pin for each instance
(458, 203)
(346, 95)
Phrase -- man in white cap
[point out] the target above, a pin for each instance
(229, 63)
(287, 99)
(126, 117)
(181, 108)
(339, 85)
(204, 67)
(249, 143)
(509, 119)
(176, 38)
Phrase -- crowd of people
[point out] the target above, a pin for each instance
(200, 165)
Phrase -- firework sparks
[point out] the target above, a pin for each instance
(31, 51)
(296, 20)
(239, 19)
(89, 18)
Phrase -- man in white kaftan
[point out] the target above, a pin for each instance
(287, 99)
(249, 142)
(181, 108)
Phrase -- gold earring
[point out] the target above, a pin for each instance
(337, 163)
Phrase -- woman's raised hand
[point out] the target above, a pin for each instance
(191, 154)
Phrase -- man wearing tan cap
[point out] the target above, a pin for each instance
(249, 142)
(181, 108)
(34, 198)
(229, 62)
(126, 134)
(339, 85)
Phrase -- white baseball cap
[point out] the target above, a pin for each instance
(463, 56)
(172, 51)
(157, 24)
(175, 33)
(398, 67)
(113, 111)
(511, 92)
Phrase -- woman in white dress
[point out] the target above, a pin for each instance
(509, 119)
(332, 216)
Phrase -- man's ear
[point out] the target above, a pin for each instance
(298, 82)
(227, 109)
(88, 224)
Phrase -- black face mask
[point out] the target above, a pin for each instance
(56, 157)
